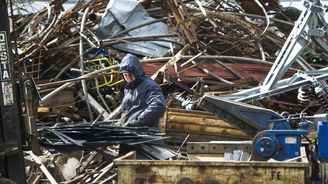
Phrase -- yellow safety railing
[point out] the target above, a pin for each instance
(99, 63)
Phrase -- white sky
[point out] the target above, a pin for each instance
(297, 3)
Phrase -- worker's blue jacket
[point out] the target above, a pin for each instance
(143, 103)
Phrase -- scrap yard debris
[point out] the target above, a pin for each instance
(70, 55)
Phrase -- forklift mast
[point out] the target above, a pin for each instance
(11, 153)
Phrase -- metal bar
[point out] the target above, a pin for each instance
(191, 59)
(84, 85)
(289, 52)
(205, 70)
(261, 17)
(104, 171)
(96, 106)
(282, 86)
(64, 137)
(98, 117)
(71, 83)
(238, 58)
(216, 147)
(84, 164)
(89, 41)
(152, 139)
(114, 113)
(229, 68)
(184, 141)
(171, 61)
(70, 80)
(101, 97)
(112, 41)
(30, 116)
(205, 14)
(108, 179)
(138, 26)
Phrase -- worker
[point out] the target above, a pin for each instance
(143, 102)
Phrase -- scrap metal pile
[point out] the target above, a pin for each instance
(190, 48)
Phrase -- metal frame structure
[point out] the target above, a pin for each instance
(311, 25)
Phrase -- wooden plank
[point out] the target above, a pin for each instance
(199, 124)
(196, 129)
(192, 119)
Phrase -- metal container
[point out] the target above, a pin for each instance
(209, 169)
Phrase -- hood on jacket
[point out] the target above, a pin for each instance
(130, 63)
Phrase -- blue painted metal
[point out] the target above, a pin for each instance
(323, 141)
(278, 144)
(267, 146)
(249, 118)
(274, 137)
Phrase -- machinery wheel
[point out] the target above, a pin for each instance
(265, 146)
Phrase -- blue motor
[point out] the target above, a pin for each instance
(277, 144)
